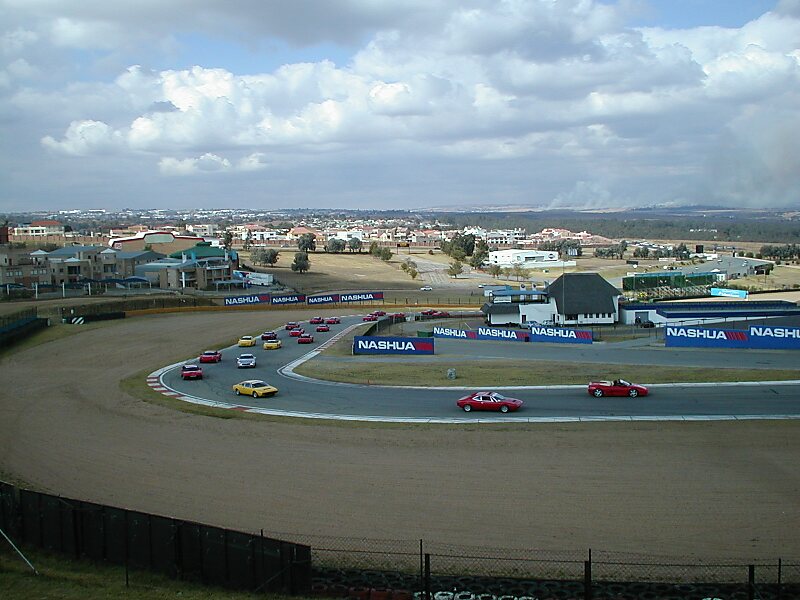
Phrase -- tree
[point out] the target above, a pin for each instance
(519, 271)
(307, 242)
(301, 263)
(385, 254)
(335, 245)
(455, 269)
(257, 256)
(354, 244)
(271, 256)
(495, 270)
(374, 249)
(479, 254)
(458, 254)
(227, 239)
(413, 273)
(641, 252)
(248, 240)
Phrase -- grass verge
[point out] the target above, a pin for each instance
(68, 579)
(488, 373)
(50, 334)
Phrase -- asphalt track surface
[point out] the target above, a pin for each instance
(299, 396)
(712, 489)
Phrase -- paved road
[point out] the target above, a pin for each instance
(564, 403)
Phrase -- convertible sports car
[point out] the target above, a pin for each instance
(297, 332)
(378, 313)
(316, 320)
(291, 325)
(269, 335)
(247, 340)
(255, 388)
(272, 345)
(210, 356)
(191, 372)
(333, 321)
(398, 315)
(245, 361)
(488, 401)
(618, 387)
(369, 318)
(306, 338)
(323, 328)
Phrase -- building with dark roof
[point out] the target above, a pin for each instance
(572, 299)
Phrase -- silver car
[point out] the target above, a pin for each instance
(245, 361)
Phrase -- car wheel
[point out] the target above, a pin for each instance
(633, 393)
(467, 408)
(598, 393)
(238, 393)
(255, 394)
(504, 409)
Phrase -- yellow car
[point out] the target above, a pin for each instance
(247, 340)
(272, 344)
(255, 388)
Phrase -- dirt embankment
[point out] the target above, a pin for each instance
(722, 489)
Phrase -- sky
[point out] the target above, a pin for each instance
(401, 104)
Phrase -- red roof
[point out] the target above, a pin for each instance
(44, 223)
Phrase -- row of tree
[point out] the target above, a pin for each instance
(462, 247)
(680, 252)
(785, 252)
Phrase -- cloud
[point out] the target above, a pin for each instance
(564, 91)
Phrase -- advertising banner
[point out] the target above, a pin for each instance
(251, 299)
(361, 297)
(726, 293)
(449, 332)
(511, 335)
(367, 344)
(291, 299)
(560, 335)
(328, 299)
(700, 337)
(774, 338)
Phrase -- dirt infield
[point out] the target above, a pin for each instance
(711, 489)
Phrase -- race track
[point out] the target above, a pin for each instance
(319, 399)
(724, 489)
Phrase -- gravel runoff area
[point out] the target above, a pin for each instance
(708, 489)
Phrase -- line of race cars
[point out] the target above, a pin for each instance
(477, 401)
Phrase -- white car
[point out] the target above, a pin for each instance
(426, 288)
(245, 361)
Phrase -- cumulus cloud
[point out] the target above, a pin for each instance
(564, 86)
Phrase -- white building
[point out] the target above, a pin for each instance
(529, 259)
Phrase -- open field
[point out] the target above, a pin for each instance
(710, 489)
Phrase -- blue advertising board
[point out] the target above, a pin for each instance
(702, 337)
(560, 335)
(290, 299)
(361, 297)
(243, 300)
(368, 344)
(511, 335)
(459, 334)
(327, 299)
(726, 293)
(774, 338)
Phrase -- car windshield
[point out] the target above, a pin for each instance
(498, 397)
(258, 384)
(623, 382)
(246, 356)
(190, 368)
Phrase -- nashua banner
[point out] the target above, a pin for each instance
(242, 300)
(560, 335)
(758, 337)
(367, 344)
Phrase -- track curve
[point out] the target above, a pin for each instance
(677, 489)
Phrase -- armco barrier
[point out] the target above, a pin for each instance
(173, 547)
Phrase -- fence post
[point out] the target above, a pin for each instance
(751, 582)
(421, 564)
(427, 576)
(779, 579)
(587, 577)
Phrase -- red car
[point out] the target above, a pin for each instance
(191, 372)
(369, 318)
(333, 320)
(269, 335)
(323, 328)
(316, 320)
(210, 356)
(427, 312)
(398, 315)
(378, 313)
(297, 332)
(488, 401)
(440, 314)
(291, 325)
(618, 387)
(306, 338)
